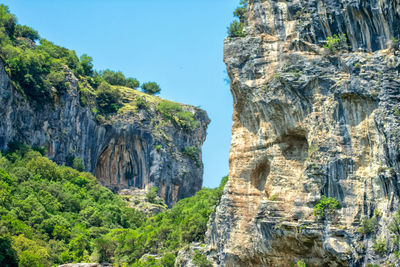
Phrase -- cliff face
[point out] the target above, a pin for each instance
(138, 148)
(310, 122)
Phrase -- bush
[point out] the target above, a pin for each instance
(108, 99)
(326, 206)
(77, 164)
(151, 88)
(301, 263)
(152, 195)
(175, 113)
(368, 226)
(336, 43)
(380, 246)
(201, 260)
(191, 152)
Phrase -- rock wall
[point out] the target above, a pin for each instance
(309, 123)
(135, 150)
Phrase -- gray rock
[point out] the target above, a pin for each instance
(127, 150)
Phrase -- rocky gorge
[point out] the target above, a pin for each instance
(138, 147)
(316, 115)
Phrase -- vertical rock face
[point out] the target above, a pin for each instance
(139, 149)
(309, 123)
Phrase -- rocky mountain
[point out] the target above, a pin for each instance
(141, 146)
(314, 159)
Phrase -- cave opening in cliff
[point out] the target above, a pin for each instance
(294, 146)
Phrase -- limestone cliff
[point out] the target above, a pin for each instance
(310, 122)
(138, 147)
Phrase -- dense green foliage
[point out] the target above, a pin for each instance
(55, 214)
(326, 206)
(237, 26)
(175, 113)
(151, 88)
(164, 233)
(37, 70)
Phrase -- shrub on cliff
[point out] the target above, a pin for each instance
(175, 113)
(336, 43)
(327, 205)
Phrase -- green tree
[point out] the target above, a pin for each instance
(8, 256)
(30, 253)
(236, 28)
(87, 64)
(132, 83)
(152, 194)
(7, 20)
(77, 164)
(113, 77)
(151, 88)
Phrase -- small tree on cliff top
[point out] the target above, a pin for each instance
(151, 88)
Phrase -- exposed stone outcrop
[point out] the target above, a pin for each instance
(137, 198)
(139, 149)
(310, 122)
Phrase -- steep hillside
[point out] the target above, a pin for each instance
(314, 160)
(50, 98)
(51, 215)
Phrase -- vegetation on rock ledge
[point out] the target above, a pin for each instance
(236, 29)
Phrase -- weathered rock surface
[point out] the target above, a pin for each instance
(308, 123)
(137, 198)
(138, 149)
(185, 257)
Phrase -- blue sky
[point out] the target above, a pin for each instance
(177, 43)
